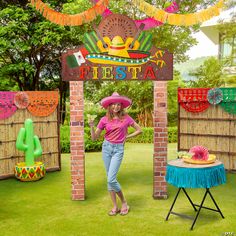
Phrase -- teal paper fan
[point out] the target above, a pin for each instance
(214, 96)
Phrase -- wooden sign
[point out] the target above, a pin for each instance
(117, 50)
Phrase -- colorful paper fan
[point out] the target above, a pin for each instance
(214, 96)
(42, 103)
(200, 153)
(21, 100)
(7, 106)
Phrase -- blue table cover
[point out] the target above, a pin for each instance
(186, 175)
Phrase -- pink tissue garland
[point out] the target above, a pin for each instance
(149, 22)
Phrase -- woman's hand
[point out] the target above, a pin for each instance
(91, 123)
(91, 119)
(137, 131)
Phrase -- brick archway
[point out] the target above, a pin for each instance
(77, 140)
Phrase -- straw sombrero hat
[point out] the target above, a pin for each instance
(116, 98)
(118, 48)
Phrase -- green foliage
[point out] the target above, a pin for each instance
(92, 146)
(8, 84)
(186, 67)
(28, 45)
(65, 138)
(209, 75)
(230, 80)
(172, 134)
(173, 98)
(145, 137)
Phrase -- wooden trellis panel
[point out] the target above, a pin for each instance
(214, 128)
(46, 128)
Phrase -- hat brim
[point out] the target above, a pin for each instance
(105, 102)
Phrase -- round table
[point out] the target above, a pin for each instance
(184, 175)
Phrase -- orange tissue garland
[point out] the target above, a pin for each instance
(67, 19)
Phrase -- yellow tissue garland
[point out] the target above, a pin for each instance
(72, 20)
(179, 19)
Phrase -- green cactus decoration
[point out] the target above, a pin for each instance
(29, 143)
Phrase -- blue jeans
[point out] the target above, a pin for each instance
(112, 155)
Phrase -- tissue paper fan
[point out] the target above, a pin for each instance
(214, 96)
(200, 153)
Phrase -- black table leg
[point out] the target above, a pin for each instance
(173, 204)
(194, 206)
(200, 207)
(195, 209)
(208, 190)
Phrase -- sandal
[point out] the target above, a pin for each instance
(113, 212)
(125, 211)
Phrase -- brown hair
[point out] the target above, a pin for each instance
(121, 113)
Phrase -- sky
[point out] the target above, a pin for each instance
(205, 47)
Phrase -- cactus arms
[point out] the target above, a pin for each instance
(29, 143)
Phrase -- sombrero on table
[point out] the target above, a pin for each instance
(116, 98)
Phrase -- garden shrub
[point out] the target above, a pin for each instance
(172, 134)
(145, 137)
(65, 139)
(172, 119)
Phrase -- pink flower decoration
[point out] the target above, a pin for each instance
(200, 153)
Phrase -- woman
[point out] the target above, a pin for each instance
(115, 123)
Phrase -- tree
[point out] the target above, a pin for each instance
(228, 49)
(208, 75)
(30, 49)
(173, 98)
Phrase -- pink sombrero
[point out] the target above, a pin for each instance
(116, 98)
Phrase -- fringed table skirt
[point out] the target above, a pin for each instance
(184, 175)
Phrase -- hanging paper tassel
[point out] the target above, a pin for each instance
(66, 19)
(178, 19)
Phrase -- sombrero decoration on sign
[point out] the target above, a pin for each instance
(117, 41)
(118, 54)
(117, 50)
(118, 47)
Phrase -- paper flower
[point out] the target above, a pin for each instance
(200, 153)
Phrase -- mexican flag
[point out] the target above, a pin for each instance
(77, 58)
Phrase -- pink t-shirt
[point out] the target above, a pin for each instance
(116, 129)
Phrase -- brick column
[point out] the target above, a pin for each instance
(160, 140)
(77, 140)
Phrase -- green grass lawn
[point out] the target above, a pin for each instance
(45, 207)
